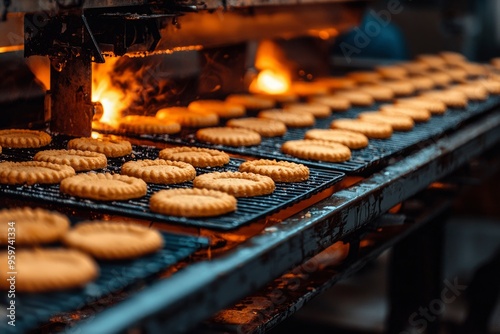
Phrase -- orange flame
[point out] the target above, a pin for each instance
(274, 76)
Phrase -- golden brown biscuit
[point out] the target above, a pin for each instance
(104, 186)
(335, 103)
(195, 156)
(251, 101)
(31, 226)
(364, 77)
(318, 110)
(192, 202)
(290, 118)
(263, 126)
(113, 240)
(279, 171)
(422, 83)
(452, 98)
(335, 83)
(108, 147)
(353, 140)
(229, 136)
(79, 160)
(474, 69)
(148, 124)
(472, 91)
(31, 172)
(491, 85)
(319, 150)
(188, 118)
(222, 108)
(369, 129)
(392, 72)
(399, 87)
(415, 67)
(44, 270)
(398, 122)
(451, 57)
(18, 138)
(378, 92)
(236, 183)
(441, 79)
(433, 61)
(418, 115)
(287, 97)
(457, 74)
(303, 88)
(434, 107)
(159, 171)
(356, 98)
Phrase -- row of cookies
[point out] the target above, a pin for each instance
(27, 230)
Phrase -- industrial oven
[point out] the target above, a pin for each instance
(248, 271)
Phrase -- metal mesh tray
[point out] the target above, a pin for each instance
(378, 151)
(34, 309)
(248, 209)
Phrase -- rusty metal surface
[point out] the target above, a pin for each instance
(198, 291)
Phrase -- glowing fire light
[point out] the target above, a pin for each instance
(274, 76)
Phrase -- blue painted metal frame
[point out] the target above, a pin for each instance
(198, 291)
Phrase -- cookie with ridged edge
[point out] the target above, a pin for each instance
(192, 202)
(415, 67)
(279, 171)
(334, 102)
(19, 138)
(290, 118)
(435, 107)
(318, 110)
(159, 171)
(364, 77)
(353, 140)
(187, 117)
(399, 87)
(237, 184)
(105, 240)
(148, 124)
(369, 129)
(378, 92)
(45, 270)
(433, 61)
(397, 122)
(79, 160)
(263, 126)
(222, 108)
(104, 186)
(108, 147)
(33, 226)
(452, 98)
(319, 150)
(356, 97)
(491, 85)
(31, 172)
(195, 156)
(441, 79)
(392, 72)
(422, 83)
(417, 114)
(473, 92)
(250, 101)
(229, 136)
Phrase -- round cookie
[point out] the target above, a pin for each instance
(32, 226)
(288, 97)
(392, 72)
(365, 77)
(491, 85)
(353, 140)
(237, 184)
(148, 124)
(451, 57)
(195, 156)
(303, 88)
(433, 61)
(319, 150)
(108, 147)
(356, 98)
(159, 171)
(79, 160)
(418, 115)
(192, 202)
(229, 136)
(369, 129)
(264, 127)
(398, 122)
(290, 118)
(45, 270)
(472, 91)
(31, 172)
(451, 98)
(188, 118)
(422, 83)
(104, 186)
(251, 101)
(335, 103)
(279, 171)
(222, 108)
(112, 240)
(399, 87)
(19, 138)
(318, 110)
(378, 92)
(456, 74)
(434, 107)
(415, 67)
(441, 79)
